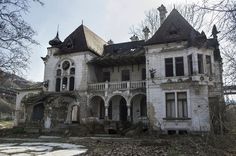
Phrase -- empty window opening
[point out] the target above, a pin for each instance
(143, 74)
(208, 65)
(106, 76)
(200, 64)
(72, 83)
(58, 84)
(72, 71)
(125, 75)
(169, 67)
(64, 83)
(190, 64)
(179, 66)
(171, 132)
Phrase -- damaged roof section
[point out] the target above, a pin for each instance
(80, 40)
(121, 54)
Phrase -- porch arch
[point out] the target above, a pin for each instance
(97, 107)
(117, 108)
(138, 107)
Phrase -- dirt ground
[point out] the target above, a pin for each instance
(162, 146)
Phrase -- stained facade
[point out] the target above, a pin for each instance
(167, 82)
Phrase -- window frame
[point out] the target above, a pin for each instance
(200, 64)
(123, 78)
(179, 66)
(169, 65)
(176, 100)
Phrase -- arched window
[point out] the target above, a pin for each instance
(72, 71)
(65, 79)
(64, 83)
(72, 83)
(58, 72)
(58, 84)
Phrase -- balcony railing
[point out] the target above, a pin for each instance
(123, 85)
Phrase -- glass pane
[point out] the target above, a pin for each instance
(169, 67)
(170, 96)
(72, 71)
(179, 66)
(182, 95)
(58, 72)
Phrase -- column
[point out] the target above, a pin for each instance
(106, 112)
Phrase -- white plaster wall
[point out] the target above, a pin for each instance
(81, 68)
(197, 100)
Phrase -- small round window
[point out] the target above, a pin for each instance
(65, 65)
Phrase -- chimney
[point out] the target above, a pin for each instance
(110, 42)
(163, 11)
(134, 38)
(146, 32)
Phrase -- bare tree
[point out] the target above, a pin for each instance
(16, 35)
(222, 13)
(152, 19)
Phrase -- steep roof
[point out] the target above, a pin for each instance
(82, 39)
(174, 28)
(121, 54)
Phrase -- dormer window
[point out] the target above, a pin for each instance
(173, 30)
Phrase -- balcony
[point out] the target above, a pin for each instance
(123, 85)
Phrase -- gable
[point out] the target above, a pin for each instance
(82, 39)
(175, 28)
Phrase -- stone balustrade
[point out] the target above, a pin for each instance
(123, 85)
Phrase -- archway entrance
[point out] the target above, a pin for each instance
(117, 110)
(123, 110)
(138, 108)
(38, 112)
(75, 114)
(97, 107)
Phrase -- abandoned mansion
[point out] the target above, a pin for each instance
(168, 81)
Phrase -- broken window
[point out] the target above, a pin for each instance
(72, 83)
(190, 64)
(170, 105)
(72, 71)
(169, 67)
(58, 72)
(200, 63)
(58, 84)
(125, 76)
(208, 65)
(64, 83)
(106, 76)
(143, 74)
(182, 104)
(179, 66)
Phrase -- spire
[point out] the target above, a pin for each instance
(56, 41)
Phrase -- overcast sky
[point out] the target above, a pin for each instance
(110, 19)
